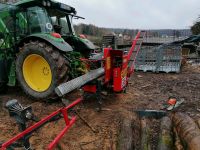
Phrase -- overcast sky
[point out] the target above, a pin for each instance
(138, 14)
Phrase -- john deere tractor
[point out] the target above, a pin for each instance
(38, 46)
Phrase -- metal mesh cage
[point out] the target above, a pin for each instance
(165, 58)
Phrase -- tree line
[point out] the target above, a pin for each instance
(90, 30)
(196, 26)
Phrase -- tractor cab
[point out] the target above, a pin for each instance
(48, 16)
(33, 20)
(39, 22)
(62, 22)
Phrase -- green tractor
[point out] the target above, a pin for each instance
(38, 46)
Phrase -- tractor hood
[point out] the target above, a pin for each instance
(51, 4)
(86, 43)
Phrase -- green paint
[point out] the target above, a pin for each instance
(2, 55)
(12, 75)
(76, 65)
(23, 2)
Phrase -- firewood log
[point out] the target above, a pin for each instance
(187, 130)
(166, 135)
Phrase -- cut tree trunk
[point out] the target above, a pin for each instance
(198, 123)
(166, 135)
(125, 137)
(178, 145)
(187, 130)
(145, 135)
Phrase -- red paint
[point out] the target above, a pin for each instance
(133, 45)
(117, 80)
(172, 101)
(56, 35)
(61, 134)
(90, 88)
(82, 36)
(120, 76)
(131, 68)
(65, 116)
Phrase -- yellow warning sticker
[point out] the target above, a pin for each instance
(108, 63)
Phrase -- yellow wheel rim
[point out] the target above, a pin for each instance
(37, 73)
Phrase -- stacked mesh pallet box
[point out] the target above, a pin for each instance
(165, 58)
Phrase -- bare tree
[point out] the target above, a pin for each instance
(196, 27)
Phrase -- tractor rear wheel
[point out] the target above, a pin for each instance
(40, 68)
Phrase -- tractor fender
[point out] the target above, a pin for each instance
(83, 43)
(59, 43)
(88, 44)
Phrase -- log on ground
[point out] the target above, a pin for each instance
(166, 135)
(187, 130)
(125, 137)
(145, 135)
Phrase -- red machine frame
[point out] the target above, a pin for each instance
(68, 122)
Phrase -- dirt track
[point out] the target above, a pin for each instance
(146, 91)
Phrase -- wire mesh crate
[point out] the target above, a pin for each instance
(165, 58)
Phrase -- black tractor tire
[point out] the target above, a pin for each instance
(58, 64)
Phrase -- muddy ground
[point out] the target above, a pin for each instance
(145, 91)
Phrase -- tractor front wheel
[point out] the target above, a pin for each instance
(39, 69)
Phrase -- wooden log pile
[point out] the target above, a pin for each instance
(178, 131)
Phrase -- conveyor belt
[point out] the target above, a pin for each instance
(78, 82)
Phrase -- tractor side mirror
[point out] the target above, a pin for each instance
(1, 35)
